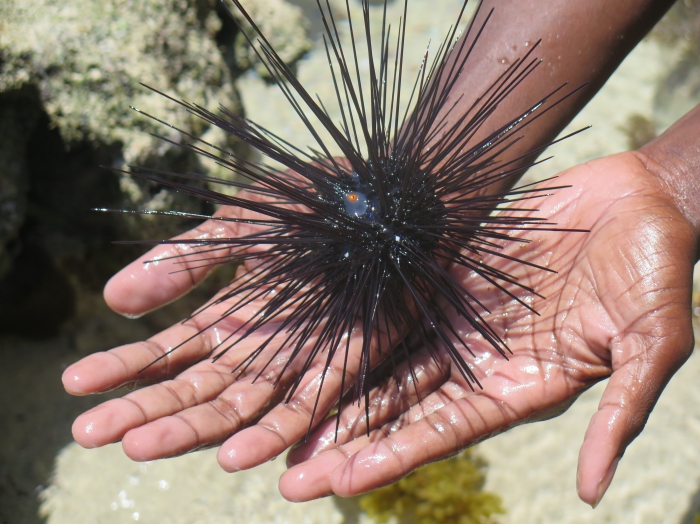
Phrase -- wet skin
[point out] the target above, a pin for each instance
(618, 305)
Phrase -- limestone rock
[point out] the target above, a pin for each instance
(69, 72)
(87, 59)
(283, 24)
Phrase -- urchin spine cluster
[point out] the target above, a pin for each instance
(369, 239)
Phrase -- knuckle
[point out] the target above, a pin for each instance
(228, 410)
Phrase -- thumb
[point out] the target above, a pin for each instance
(631, 394)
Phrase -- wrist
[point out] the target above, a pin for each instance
(674, 158)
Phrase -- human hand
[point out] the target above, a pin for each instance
(195, 402)
(200, 404)
(618, 307)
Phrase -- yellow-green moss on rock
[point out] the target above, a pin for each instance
(447, 492)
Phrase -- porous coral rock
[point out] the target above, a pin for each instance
(87, 58)
(68, 73)
(284, 25)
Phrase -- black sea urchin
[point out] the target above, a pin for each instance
(366, 241)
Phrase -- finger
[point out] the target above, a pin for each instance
(110, 421)
(285, 424)
(242, 403)
(125, 366)
(389, 454)
(319, 390)
(288, 422)
(419, 378)
(199, 425)
(624, 408)
(199, 408)
(312, 479)
(156, 279)
(205, 383)
(108, 370)
(168, 353)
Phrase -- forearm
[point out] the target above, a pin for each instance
(674, 157)
(581, 42)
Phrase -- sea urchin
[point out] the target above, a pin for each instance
(366, 242)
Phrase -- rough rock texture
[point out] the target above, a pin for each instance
(87, 59)
(69, 72)
(283, 24)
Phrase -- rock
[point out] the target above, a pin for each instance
(69, 73)
(18, 115)
(88, 73)
(283, 24)
(84, 62)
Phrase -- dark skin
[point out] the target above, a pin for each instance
(581, 43)
(618, 307)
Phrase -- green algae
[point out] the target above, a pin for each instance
(446, 492)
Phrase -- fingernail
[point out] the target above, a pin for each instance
(132, 316)
(72, 380)
(578, 480)
(231, 467)
(605, 482)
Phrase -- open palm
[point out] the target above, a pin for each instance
(197, 402)
(617, 307)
